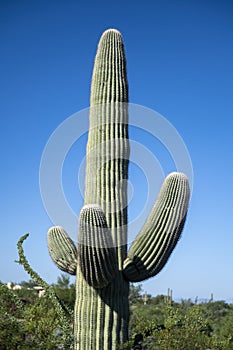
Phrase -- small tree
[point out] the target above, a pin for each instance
(28, 284)
(63, 281)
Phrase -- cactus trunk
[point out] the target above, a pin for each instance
(101, 314)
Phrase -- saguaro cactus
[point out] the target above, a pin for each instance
(101, 263)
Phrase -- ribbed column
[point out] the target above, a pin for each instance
(108, 145)
(102, 314)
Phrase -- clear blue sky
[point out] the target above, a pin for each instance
(179, 59)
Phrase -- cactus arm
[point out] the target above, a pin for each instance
(96, 254)
(157, 239)
(62, 250)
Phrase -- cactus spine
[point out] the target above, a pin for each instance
(103, 267)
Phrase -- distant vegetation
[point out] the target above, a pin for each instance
(29, 322)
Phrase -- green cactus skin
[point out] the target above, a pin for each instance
(158, 237)
(62, 250)
(103, 268)
(102, 315)
(95, 248)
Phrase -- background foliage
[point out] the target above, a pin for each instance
(156, 322)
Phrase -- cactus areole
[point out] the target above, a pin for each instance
(101, 263)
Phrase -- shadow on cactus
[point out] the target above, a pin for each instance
(102, 265)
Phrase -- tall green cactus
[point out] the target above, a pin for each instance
(101, 263)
